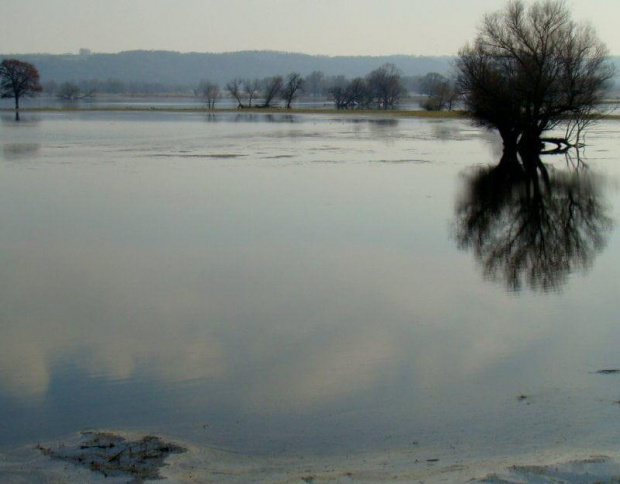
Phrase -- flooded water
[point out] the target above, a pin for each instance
(295, 285)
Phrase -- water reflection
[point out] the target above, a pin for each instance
(530, 225)
(246, 117)
(20, 151)
(23, 118)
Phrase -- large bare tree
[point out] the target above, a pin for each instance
(531, 69)
(17, 80)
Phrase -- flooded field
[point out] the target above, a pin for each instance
(306, 287)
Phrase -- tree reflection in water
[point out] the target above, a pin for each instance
(527, 224)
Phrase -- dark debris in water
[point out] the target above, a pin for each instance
(611, 371)
(112, 455)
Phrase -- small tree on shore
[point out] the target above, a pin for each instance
(18, 80)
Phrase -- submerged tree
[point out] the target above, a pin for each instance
(532, 69)
(18, 79)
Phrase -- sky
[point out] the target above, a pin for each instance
(327, 27)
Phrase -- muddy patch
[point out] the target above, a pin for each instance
(112, 455)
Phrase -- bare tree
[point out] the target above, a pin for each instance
(272, 87)
(251, 87)
(293, 84)
(235, 89)
(386, 86)
(69, 91)
(209, 91)
(531, 69)
(18, 79)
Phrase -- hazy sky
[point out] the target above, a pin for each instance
(330, 27)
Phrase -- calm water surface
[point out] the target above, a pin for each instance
(298, 284)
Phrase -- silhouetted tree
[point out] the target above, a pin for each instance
(385, 85)
(532, 69)
(291, 87)
(18, 79)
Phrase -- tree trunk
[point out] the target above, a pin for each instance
(509, 140)
(530, 141)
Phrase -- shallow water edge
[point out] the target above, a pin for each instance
(29, 464)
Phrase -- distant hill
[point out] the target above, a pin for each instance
(167, 67)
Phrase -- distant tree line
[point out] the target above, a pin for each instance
(382, 88)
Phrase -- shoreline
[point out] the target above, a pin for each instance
(200, 110)
(410, 114)
(207, 464)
